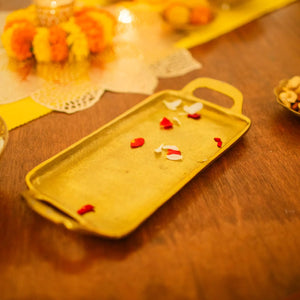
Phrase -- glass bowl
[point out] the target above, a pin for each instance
(3, 135)
(285, 90)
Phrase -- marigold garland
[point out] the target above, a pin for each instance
(90, 30)
(58, 44)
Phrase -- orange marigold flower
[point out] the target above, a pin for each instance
(16, 21)
(93, 32)
(58, 44)
(21, 40)
(86, 9)
(201, 15)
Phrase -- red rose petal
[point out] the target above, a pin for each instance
(138, 142)
(86, 208)
(166, 123)
(170, 151)
(219, 141)
(194, 116)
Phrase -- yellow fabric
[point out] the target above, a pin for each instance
(227, 21)
(20, 112)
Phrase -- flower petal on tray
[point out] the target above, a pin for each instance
(177, 121)
(194, 116)
(85, 209)
(194, 108)
(159, 149)
(166, 123)
(170, 151)
(137, 142)
(174, 156)
(171, 147)
(172, 105)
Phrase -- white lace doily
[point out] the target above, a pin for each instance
(143, 52)
(179, 63)
(69, 98)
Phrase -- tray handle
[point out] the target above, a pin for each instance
(219, 86)
(49, 212)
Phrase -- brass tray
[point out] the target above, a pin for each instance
(127, 185)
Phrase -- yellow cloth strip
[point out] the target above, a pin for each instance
(227, 21)
(20, 112)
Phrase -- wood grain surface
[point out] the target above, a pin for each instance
(233, 232)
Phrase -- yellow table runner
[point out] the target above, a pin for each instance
(227, 21)
(20, 112)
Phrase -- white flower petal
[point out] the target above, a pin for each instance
(194, 108)
(159, 149)
(172, 105)
(171, 147)
(174, 157)
(177, 121)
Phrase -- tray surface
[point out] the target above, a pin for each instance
(126, 185)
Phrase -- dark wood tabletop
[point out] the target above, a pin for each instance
(233, 232)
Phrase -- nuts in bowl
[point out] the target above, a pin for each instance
(288, 94)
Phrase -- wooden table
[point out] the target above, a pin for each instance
(233, 232)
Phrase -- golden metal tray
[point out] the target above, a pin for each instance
(127, 185)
